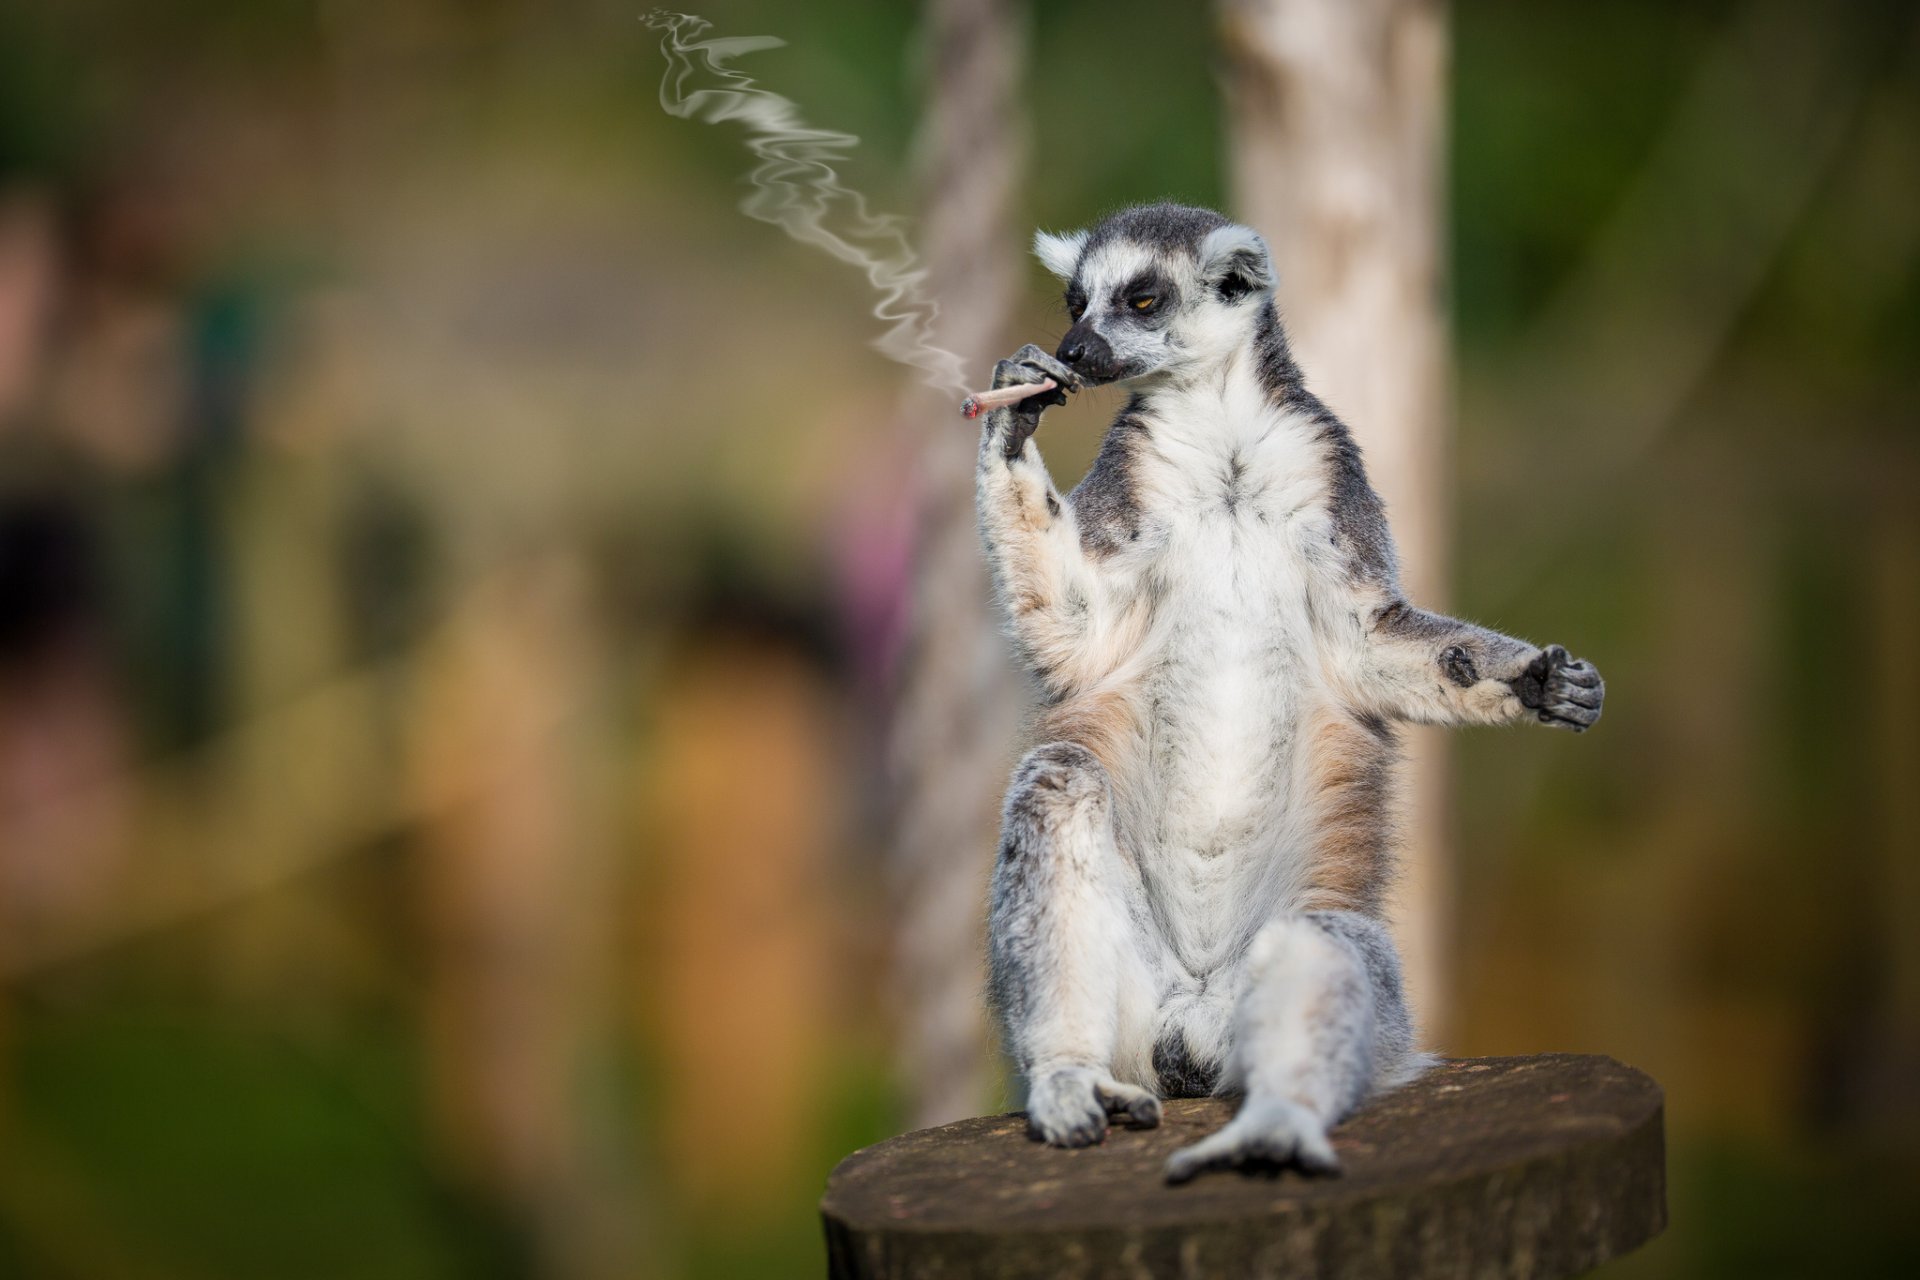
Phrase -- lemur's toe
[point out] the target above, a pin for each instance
(1265, 1136)
(1083, 1129)
(1138, 1105)
(1078, 1134)
(1181, 1167)
(1189, 1162)
(1314, 1154)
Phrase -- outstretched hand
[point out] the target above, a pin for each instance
(1562, 690)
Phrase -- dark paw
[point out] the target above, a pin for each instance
(1080, 1131)
(1031, 364)
(1065, 1109)
(1027, 367)
(1562, 690)
(1130, 1103)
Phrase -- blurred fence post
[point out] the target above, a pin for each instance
(1336, 111)
(957, 702)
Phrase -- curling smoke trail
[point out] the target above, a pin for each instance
(795, 186)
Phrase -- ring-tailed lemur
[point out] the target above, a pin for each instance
(1188, 893)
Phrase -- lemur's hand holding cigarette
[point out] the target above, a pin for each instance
(981, 401)
(1028, 368)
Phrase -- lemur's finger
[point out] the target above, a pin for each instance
(1565, 715)
(1578, 696)
(1046, 398)
(1050, 365)
(1018, 373)
(1581, 673)
(1019, 370)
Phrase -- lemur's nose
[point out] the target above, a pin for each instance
(1072, 351)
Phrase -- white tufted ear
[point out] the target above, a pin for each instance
(1236, 258)
(1059, 254)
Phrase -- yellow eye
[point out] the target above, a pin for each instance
(1144, 303)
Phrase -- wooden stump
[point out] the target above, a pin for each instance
(1486, 1167)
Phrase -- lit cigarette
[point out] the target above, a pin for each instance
(981, 401)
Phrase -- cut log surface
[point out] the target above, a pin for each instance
(1485, 1167)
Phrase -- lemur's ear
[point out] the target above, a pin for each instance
(1234, 260)
(1059, 254)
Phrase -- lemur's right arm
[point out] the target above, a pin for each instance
(1041, 572)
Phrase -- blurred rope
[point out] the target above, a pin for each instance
(958, 699)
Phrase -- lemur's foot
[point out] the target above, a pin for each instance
(1025, 367)
(1562, 690)
(1069, 1108)
(1268, 1132)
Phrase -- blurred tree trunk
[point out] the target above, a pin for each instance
(1892, 1061)
(1336, 112)
(958, 700)
(514, 899)
(735, 918)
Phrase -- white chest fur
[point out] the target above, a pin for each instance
(1233, 497)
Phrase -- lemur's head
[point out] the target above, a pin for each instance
(1158, 288)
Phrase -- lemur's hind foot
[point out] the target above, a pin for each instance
(1069, 1107)
(1268, 1132)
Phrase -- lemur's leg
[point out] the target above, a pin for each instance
(1321, 1023)
(1068, 974)
(1032, 540)
(1434, 669)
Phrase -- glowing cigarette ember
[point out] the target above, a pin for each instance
(981, 401)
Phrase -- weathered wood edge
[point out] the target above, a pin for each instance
(1552, 1215)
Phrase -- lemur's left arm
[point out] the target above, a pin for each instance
(1432, 669)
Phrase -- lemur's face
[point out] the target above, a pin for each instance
(1155, 289)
